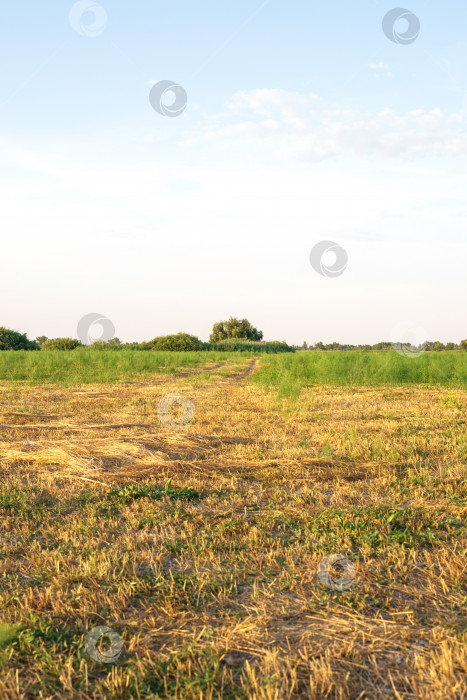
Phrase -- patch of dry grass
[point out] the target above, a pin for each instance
(219, 597)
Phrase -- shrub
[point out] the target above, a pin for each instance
(179, 342)
(114, 344)
(61, 344)
(13, 340)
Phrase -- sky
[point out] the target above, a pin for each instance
(300, 122)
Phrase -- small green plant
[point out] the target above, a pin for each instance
(450, 401)
(326, 450)
(132, 492)
(9, 633)
(306, 442)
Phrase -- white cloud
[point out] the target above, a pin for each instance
(379, 69)
(303, 127)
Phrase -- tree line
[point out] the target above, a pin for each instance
(232, 335)
(435, 346)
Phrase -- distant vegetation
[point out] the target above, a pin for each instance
(290, 373)
(12, 340)
(435, 346)
(88, 366)
(250, 346)
(234, 329)
(287, 372)
(180, 342)
(60, 344)
(233, 335)
(230, 336)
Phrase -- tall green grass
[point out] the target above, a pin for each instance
(84, 366)
(250, 346)
(290, 373)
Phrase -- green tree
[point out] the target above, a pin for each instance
(13, 340)
(61, 344)
(41, 339)
(234, 328)
(218, 332)
(463, 345)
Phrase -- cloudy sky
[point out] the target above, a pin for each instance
(304, 122)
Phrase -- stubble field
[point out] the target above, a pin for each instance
(205, 547)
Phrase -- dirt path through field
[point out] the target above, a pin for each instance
(115, 433)
(205, 545)
(246, 372)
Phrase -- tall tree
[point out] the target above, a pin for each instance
(234, 328)
(13, 340)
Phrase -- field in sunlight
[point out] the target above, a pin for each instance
(271, 544)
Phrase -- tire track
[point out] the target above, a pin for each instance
(246, 372)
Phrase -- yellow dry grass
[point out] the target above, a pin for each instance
(220, 597)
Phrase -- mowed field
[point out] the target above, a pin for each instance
(206, 547)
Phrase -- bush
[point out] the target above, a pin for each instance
(113, 344)
(12, 340)
(61, 344)
(179, 342)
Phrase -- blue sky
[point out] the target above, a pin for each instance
(303, 123)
